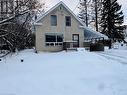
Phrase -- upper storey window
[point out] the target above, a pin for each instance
(53, 20)
(68, 20)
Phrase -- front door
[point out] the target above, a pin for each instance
(75, 38)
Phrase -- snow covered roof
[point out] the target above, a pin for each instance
(56, 6)
(89, 33)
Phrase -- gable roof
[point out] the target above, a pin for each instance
(89, 31)
(56, 6)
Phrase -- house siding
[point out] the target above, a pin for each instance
(60, 28)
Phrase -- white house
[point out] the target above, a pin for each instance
(58, 26)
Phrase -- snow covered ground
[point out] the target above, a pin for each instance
(64, 73)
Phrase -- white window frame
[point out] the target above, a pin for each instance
(54, 43)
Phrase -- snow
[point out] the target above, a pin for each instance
(64, 73)
(89, 34)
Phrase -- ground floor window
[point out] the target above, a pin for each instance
(53, 39)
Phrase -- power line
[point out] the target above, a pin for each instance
(70, 2)
(76, 7)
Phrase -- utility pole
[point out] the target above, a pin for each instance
(83, 11)
(96, 15)
(86, 13)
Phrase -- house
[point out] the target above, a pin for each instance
(59, 27)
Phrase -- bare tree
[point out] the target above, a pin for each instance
(15, 26)
(90, 11)
(83, 14)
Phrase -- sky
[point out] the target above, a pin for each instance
(124, 8)
(72, 4)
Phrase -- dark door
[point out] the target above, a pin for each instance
(76, 40)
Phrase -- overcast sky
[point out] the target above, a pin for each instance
(73, 3)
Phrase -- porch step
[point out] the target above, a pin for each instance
(71, 49)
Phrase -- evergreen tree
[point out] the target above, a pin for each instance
(112, 18)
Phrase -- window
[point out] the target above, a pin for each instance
(54, 39)
(53, 20)
(68, 20)
(50, 38)
(59, 38)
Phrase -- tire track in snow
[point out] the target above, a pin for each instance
(114, 57)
